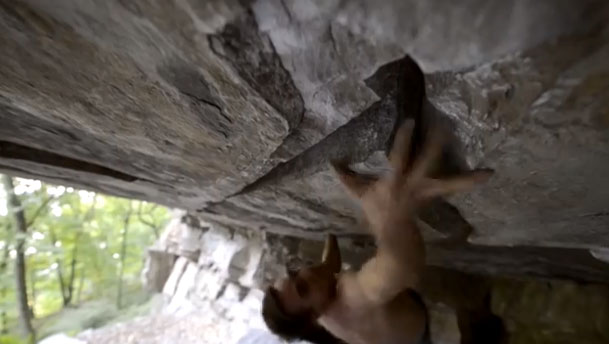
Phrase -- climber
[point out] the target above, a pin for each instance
(380, 303)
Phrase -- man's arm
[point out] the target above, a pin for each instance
(390, 204)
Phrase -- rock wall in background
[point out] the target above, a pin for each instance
(232, 109)
(214, 295)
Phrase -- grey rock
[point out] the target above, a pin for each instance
(232, 109)
(259, 337)
(157, 269)
(61, 338)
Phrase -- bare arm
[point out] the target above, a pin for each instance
(390, 204)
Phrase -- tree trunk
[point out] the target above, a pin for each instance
(32, 292)
(155, 228)
(81, 282)
(3, 316)
(119, 296)
(62, 285)
(70, 286)
(60, 279)
(15, 207)
(3, 292)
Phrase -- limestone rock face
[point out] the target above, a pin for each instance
(233, 109)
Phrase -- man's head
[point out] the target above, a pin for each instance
(291, 306)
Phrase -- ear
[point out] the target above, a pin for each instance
(331, 257)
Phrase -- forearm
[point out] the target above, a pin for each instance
(397, 265)
(402, 242)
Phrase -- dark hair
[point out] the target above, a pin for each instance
(293, 327)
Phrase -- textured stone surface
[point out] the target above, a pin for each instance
(532, 311)
(233, 109)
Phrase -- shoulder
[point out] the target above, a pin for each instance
(351, 292)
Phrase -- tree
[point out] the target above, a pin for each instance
(148, 218)
(3, 288)
(16, 209)
(67, 283)
(123, 257)
(80, 246)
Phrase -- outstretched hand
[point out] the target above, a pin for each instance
(408, 186)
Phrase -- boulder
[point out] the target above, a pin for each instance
(232, 110)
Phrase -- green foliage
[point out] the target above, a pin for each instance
(10, 340)
(73, 246)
